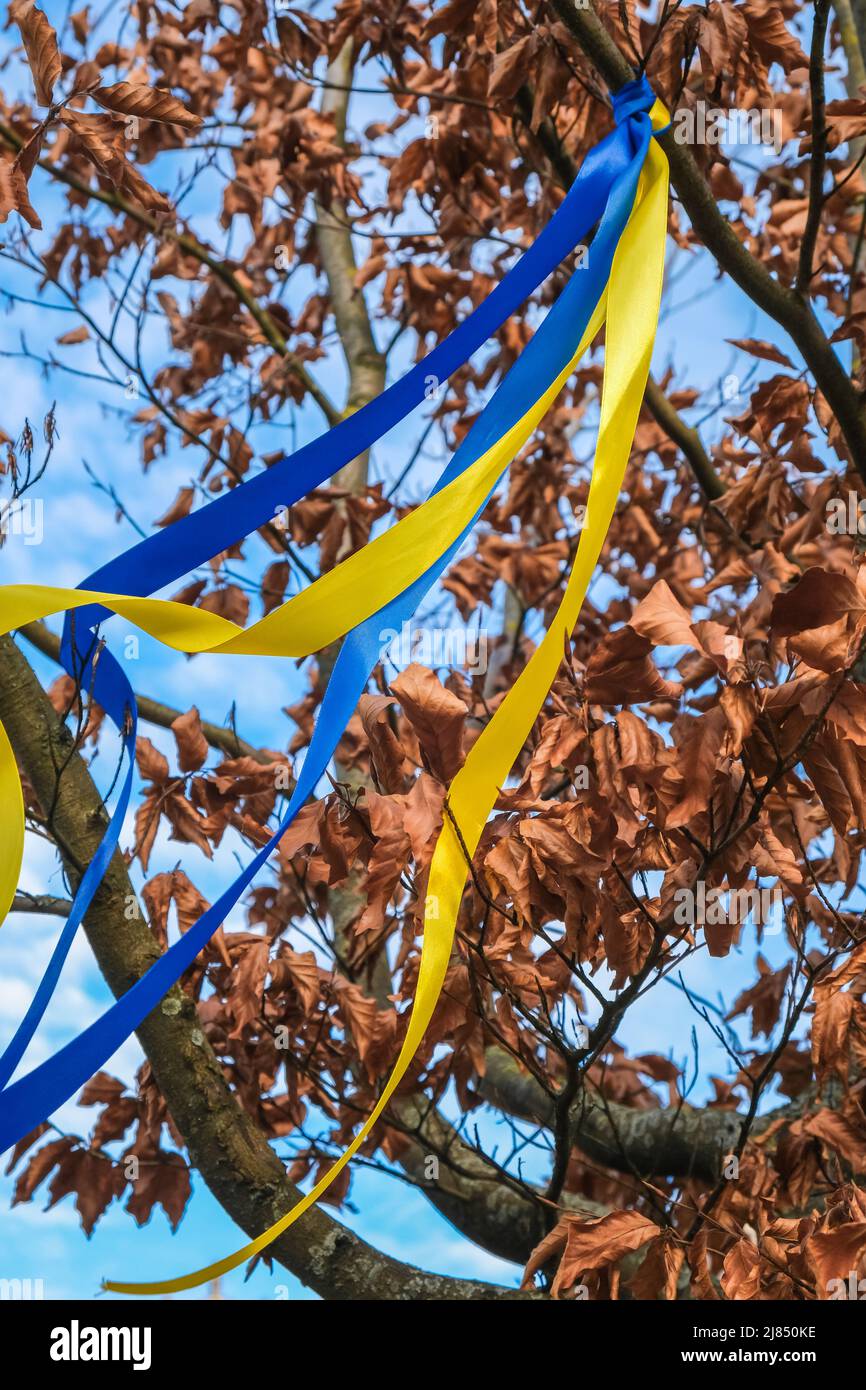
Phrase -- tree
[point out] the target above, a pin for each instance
(705, 740)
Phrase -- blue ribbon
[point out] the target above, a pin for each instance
(606, 184)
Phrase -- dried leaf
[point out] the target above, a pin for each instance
(192, 746)
(133, 99)
(40, 45)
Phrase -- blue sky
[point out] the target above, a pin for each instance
(80, 530)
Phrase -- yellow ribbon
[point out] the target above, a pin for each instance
(12, 801)
(631, 308)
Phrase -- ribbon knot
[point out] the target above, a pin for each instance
(638, 98)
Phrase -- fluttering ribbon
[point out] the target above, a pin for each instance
(163, 558)
(376, 589)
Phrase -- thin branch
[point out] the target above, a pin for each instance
(819, 146)
(686, 437)
(219, 737)
(190, 246)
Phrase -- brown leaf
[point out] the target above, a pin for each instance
(163, 1178)
(740, 705)
(589, 1245)
(180, 507)
(836, 1254)
(80, 22)
(135, 187)
(770, 37)
(388, 859)
(192, 746)
(248, 982)
(763, 998)
(275, 581)
(94, 1181)
(229, 602)
(702, 1283)
(13, 194)
(302, 971)
(846, 121)
(101, 137)
(830, 1028)
(819, 599)
(843, 1130)
(359, 1013)
(134, 99)
(40, 45)
(621, 671)
(157, 900)
(146, 827)
(659, 1271)
(508, 71)
(39, 1167)
(663, 619)
(159, 893)
(423, 816)
(388, 757)
(152, 764)
(782, 403)
(189, 903)
(186, 824)
(742, 1272)
(24, 1144)
(437, 715)
(75, 335)
(697, 758)
(101, 1089)
(766, 351)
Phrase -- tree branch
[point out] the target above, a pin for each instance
(819, 146)
(858, 8)
(218, 736)
(506, 1218)
(786, 306)
(848, 32)
(686, 437)
(334, 239)
(41, 905)
(687, 1144)
(190, 246)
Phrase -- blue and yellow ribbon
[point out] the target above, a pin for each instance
(163, 558)
(367, 593)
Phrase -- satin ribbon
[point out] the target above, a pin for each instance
(12, 801)
(300, 624)
(632, 304)
(161, 559)
(361, 650)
